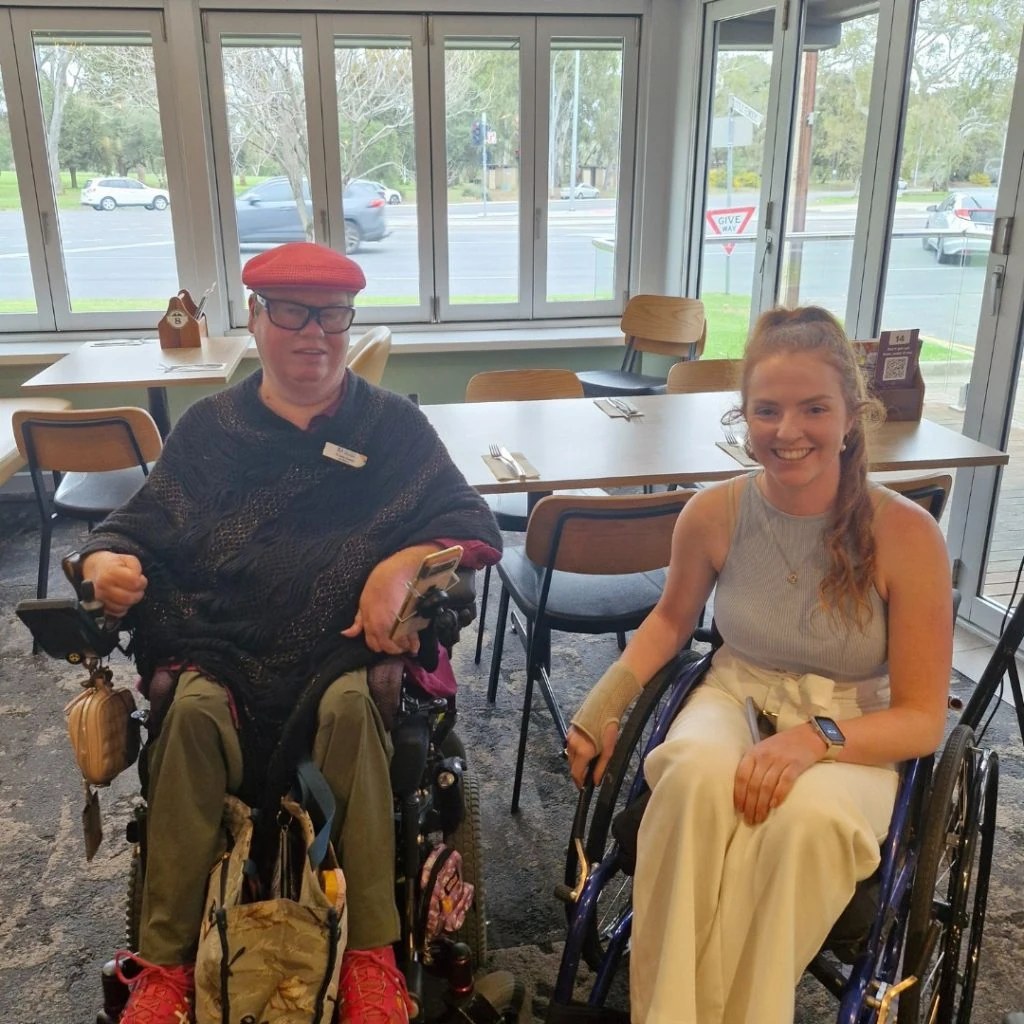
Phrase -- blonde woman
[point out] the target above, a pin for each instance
(834, 601)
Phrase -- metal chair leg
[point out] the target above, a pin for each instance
(621, 639)
(43, 575)
(523, 729)
(498, 645)
(482, 615)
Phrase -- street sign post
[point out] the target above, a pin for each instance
(726, 222)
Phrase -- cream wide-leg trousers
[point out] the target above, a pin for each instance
(728, 915)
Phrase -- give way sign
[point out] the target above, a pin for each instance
(729, 222)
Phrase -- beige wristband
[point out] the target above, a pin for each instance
(606, 703)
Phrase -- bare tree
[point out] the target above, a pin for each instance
(59, 75)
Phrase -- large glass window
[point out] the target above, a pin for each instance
(105, 165)
(16, 292)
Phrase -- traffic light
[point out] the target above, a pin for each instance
(476, 133)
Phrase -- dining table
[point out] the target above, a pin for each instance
(673, 439)
(139, 362)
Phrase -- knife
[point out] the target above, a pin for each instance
(506, 456)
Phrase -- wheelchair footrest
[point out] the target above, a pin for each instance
(580, 1013)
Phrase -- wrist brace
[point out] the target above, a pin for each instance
(607, 702)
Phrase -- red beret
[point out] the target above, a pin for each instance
(303, 265)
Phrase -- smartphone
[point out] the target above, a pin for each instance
(436, 570)
(761, 726)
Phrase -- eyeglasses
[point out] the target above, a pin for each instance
(293, 316)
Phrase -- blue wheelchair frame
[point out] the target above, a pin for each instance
(878, 962)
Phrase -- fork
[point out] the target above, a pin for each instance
(627, 410)
(730, 435)
(495, 452)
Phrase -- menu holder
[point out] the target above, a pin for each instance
(184, 324)
(903, 401)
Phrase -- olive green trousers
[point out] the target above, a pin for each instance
(197, 760)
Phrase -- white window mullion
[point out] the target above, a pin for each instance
(43, 318)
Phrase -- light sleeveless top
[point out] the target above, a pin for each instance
(775, 624)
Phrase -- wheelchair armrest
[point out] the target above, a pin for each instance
(462, 594)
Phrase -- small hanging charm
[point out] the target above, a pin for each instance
(791, 578)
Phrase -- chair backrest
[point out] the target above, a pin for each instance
(86, 440)
(523, 385)
(665, 324)
(930, 492)
(371, 355)
(604, 536)
(693, 375)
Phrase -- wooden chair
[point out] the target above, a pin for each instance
(512, 510)
(98, 457)
(369, 356)
(589, 565)
(704, 375)
(11, 460)
(930, 492)
(663, 324)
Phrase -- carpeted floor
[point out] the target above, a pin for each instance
(60, 918)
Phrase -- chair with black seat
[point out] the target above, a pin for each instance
(930, 492)
(98, 457)
(696, 375)
(663, 324)
(590, 565)
(512, 510)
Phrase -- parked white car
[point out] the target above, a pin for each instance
(391, 195)
(582, 192)
(110, 193)
(971, 214)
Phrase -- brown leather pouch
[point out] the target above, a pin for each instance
(103, 735)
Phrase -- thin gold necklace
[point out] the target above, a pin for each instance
(793, 576)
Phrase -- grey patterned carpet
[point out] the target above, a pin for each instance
(60, 918)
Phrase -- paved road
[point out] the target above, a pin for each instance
(129, 253)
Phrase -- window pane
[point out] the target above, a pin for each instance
(481, 80)
(828, 150)
(265, 98)
(583, 168)
(378, 163)
(961, 86)
(736, 155)
(101, 118)
(16, 294)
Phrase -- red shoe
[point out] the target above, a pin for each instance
(159, 995)
(372, 988)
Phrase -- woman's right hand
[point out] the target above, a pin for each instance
(580, 750)
(117, 581)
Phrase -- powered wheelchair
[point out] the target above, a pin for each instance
(436, 801)
(912, 934)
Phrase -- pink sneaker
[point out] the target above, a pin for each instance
(372, 988)
(159, 995)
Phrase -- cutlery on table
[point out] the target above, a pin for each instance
(730, 435)
(504, 456)
(188, 367)
(627, 410)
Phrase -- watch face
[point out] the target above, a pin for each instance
(830, 729)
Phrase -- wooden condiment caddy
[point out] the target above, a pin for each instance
(905, 404)
(184, 324)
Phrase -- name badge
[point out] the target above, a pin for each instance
(344, 455)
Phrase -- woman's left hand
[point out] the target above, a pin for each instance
(768, 770)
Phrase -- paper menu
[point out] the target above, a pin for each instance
(892, 361)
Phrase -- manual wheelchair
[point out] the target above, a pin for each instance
(436, 801)
(911, 933)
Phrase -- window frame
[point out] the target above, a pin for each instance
(51, 274)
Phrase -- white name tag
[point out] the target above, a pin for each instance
(339, 454)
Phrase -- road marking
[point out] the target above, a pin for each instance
(91, 248)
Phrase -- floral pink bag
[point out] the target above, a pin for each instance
(446, 897)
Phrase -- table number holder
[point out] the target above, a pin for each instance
(903, 404)
(183, 325)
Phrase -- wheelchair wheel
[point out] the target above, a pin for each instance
(616, 897)
(133, 910)
(466, 839)
(951, 884)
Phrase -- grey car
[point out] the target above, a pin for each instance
(968, 217)
(267, 213)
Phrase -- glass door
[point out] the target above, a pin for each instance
(745, 115)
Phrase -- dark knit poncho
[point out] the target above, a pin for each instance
(256, 545)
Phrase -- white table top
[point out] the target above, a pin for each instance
(132, 364)
(572, 443)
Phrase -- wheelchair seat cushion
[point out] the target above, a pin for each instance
(579, 603)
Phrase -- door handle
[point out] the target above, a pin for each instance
(995, 281)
